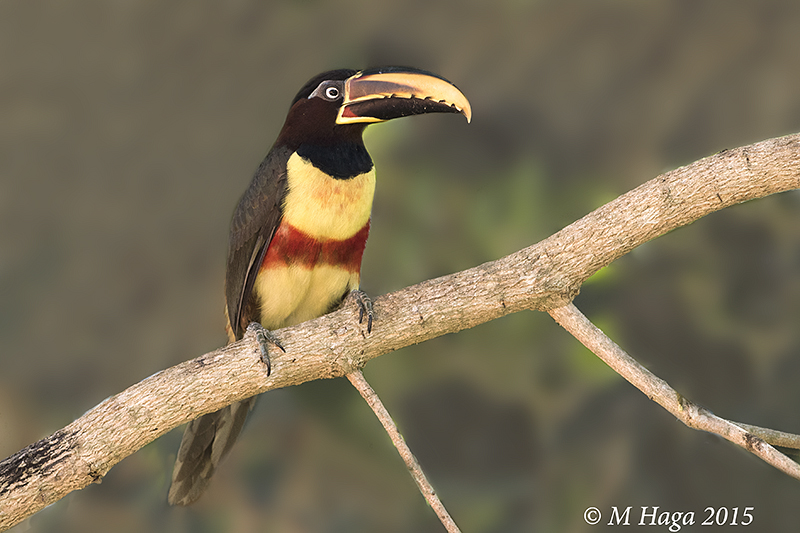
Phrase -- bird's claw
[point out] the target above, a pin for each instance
(264, 336)
(364, 303)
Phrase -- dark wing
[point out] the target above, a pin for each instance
(208, 439)
(254, 223)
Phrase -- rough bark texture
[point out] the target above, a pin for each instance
(544, 276)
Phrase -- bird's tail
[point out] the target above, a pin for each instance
(206, 441)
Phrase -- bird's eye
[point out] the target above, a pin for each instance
(330, 90)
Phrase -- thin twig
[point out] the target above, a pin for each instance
(658, 390)
(773, 436)
(360, 383)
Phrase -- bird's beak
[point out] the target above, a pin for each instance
(376, 95)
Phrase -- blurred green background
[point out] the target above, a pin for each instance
(128, 130)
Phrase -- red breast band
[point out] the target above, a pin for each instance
(291, 246)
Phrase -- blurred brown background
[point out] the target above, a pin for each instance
(128, 130)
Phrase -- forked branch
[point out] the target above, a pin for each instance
(545, 276)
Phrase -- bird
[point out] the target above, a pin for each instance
(299, 231)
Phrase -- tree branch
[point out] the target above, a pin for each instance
(658, 390)
(544, 276)
(358, 380)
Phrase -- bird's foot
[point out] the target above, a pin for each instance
(264, 336)
(364, 303)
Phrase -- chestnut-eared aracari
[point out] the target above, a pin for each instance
(299, 230)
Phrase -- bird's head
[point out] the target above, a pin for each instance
(337, 105)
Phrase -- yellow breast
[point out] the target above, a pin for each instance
(289, 295)
(326, 207)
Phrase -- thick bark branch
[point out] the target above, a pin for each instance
(544, 276)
